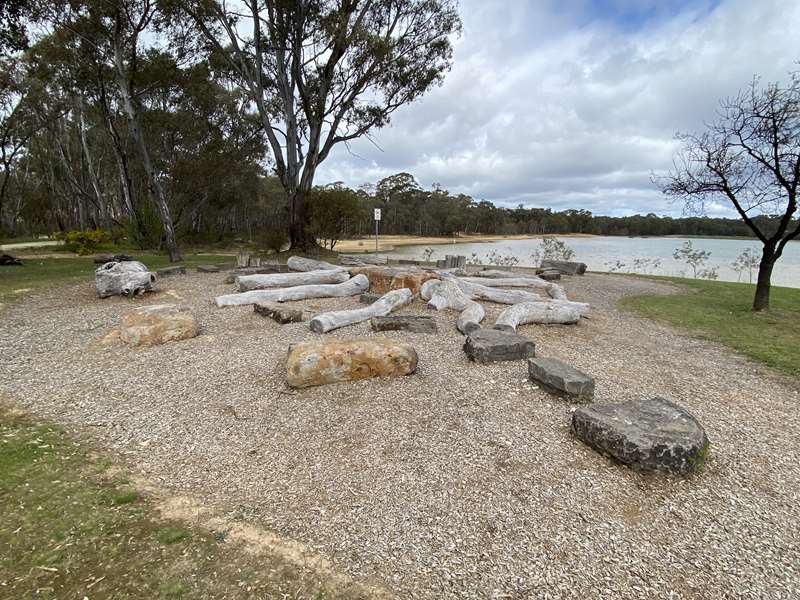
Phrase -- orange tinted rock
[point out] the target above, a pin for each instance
(157, 324)
(385, 279)
(320, 363)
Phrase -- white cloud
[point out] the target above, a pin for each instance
(563, 106)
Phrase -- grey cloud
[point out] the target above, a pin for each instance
(545, 108)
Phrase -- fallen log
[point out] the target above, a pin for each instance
(359, 260)
(498, 295)
(351, 287)
(547, 312)
(470, 318)
(390, 301)
(128, 278)
(280, 280)
(551, 289)
(494, 273)
(448, 294)
(298, 263)
(426, 289)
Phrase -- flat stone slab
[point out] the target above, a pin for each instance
(368, 298)
(562, 378)
(171, 271)
(491, 345)
(565, 267)
(207, 269)
(647, 435)
(277, 312)
(415, 324)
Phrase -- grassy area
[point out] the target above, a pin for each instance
(67, 531)
(39, 272)
(720, 311)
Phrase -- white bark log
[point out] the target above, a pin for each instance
(427, 288)
(390, 301)
(494, 273)
(498, 295)
(448, 294)
(127, 278)
(543, 312)
(359, 260)
(298, 263)
(351, 287)
(531, 282)
(279, 280)
(470, 318)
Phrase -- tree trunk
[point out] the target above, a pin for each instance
(153, 184)
(300, 238)
(763, 283)
(387, 303)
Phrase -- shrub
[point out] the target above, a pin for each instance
(87, 242)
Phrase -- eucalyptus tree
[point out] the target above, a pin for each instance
(324, 72)
(749, 157)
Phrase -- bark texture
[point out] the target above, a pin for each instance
(128, 278)
(351, 287)
(278, 280)
(387, 303)
(299, 263)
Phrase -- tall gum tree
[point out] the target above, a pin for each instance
(749, 156)
(324, 72)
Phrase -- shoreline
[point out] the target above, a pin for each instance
(387, 243)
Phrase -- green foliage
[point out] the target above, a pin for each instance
(721, 311)
(552, 249)
(332, 211)
(273, 239)
(85, 242)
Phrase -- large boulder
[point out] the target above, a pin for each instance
(385, 279)
(320, 363)
(127, 278)
(647, 435)
(491, 345)
(561, 378)
(157, 324)
(565, 267)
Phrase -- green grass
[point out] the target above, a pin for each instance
(67, 530)
(721, 311)
(40, 272)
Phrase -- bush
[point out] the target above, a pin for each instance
(86, 242)
(273, 239)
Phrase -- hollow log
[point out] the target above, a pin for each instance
(298, 263)
(127, 278)
(280, 280)
(390, 301)
(351, 287)
(547, 312)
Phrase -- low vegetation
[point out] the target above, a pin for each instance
(16, 281)
(70, 531)
(722, 312)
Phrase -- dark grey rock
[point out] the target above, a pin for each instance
(490, 345)
(171, 271)
(647, 435)
(368, 298)
(561, 378)
(104, 258)
(415, 324)
(564, 267)
(277, 312)
(550, 275)
(207, 269)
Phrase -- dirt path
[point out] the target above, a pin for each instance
(461, 481)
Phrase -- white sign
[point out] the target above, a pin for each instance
(377, 214)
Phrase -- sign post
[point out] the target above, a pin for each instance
(377, 220)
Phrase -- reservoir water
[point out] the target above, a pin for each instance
(628, 255)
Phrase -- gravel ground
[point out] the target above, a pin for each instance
(462, 481)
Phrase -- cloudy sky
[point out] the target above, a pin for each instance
(573, 103)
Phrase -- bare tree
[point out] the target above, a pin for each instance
(323, 72)
(750, 157)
